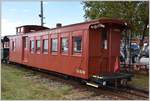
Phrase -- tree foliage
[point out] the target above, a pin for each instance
(136, 12)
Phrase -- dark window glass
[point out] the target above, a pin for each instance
(77, 44)
(25, 42)
(13, 45)
(64, 45)
(45, 45)
(54, 45)
(38, 45)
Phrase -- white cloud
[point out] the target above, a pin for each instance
(9, 27)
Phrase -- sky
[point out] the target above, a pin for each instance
(18, 13)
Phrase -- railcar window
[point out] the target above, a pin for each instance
(18, 29)
(25, 42)
(32, 45)
(64, 45)
(45, 45)
(77, 47)
(54, 45)
(104, 39)
(13, 45)
(38, 45)
(22, 29)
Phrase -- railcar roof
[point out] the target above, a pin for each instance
(123, 23)
(101, 20)
(33, 26)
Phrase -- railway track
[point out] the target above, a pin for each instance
(124, 93)
(130, 93)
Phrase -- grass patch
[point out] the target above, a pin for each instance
(140, 81)
(16, 86)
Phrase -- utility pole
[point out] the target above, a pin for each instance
(41, 14)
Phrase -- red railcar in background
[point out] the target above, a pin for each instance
(88, 50)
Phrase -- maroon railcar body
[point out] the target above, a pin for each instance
(93, 47)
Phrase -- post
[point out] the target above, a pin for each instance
(41, 15)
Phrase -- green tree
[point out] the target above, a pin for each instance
(136, 12)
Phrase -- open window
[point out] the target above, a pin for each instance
(77, 44)
(64, 45)
(45, 45)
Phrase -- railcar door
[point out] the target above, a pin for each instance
(104, 50)
(25, 49)
(110, 51)
(114, 49)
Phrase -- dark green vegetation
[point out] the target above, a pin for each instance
(136, 12)
(25, 84)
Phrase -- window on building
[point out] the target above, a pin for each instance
(38, 45)
(45, 45)
(32, 45)
(77, 47)
(54, 45)
(64, 45)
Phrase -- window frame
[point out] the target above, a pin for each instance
(44, 50)
(18, 29)
(81, 51)
(52, 45)
(104, 35)
(21, 29)
(25, 43)
(13, 45)
(32, 49)
(64, 52)
(38, 49)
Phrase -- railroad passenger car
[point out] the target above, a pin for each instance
(88, 50)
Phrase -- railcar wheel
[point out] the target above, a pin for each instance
(124, 82)
(83, 81)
